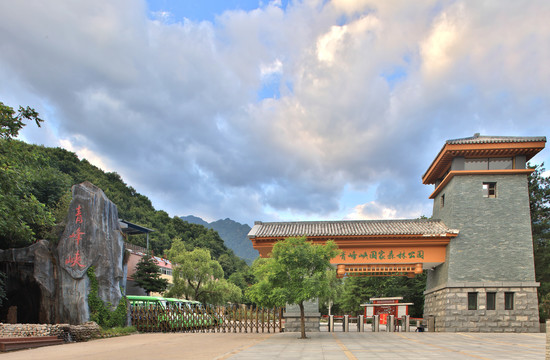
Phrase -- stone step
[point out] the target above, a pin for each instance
(7, 344)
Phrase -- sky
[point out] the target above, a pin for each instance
(276, 110)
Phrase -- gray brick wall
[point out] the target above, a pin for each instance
(492, 253)
(494, 243)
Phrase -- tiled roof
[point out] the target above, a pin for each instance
(482, 146)
(482, 139)
(350, 228)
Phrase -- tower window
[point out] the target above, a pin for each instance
(472, 301)
(491, 300)
(490, 189)
(443, 200)
(508, 301)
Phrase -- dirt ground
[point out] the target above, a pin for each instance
(146, 346)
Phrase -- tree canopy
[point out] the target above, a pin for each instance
(197, 276)
(11, 122)
(296, 272)
(539, 193)
(147, 276)
(23, 216)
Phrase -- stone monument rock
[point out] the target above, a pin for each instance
(92, 237)
(34, 283)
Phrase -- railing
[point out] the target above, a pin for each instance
(392, 323)
(207, 319)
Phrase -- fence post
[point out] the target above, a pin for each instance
(376, 323)
(280, 320)
(361, 323)
(331, 323)
(345, 325)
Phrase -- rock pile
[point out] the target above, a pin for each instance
(83, 332)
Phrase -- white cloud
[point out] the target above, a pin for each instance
(85, 153)
(274, 68)
(437, 49)
(372, 211)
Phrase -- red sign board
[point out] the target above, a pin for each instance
(389, 310)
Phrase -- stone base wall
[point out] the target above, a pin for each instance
(25, 330)
(449, 306)
(293, 324)
(83, 332)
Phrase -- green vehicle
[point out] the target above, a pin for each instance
(144, 301)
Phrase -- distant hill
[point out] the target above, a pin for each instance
(232, 233)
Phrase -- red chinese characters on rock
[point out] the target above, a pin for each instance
(78, 215)
(77, 235)
(76, 260)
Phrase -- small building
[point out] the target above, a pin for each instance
(135, 256)
(387, 306)
(136, 253)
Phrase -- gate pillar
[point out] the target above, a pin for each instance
(405, 323)
(390, 325)
(345, 325)
(375, 323)
(361, 323)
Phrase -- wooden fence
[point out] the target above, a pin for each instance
(206, 319)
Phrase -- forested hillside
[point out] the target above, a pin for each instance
(234, 235)
(35, 184)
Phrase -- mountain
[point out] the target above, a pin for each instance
(234, 235)
(195, 220)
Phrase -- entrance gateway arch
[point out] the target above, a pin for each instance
(477, 250)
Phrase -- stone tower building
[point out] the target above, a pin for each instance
(487, 282)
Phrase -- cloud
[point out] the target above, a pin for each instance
(366, 94)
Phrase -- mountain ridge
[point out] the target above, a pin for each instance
(233, 233)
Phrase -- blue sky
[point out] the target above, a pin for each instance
(276, 110)
(201, 10)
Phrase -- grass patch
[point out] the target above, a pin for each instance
(117, 331)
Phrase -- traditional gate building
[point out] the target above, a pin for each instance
(477, 248)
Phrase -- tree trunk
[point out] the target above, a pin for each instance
(302, 321)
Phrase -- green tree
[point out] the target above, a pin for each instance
(23, 218)
(221, 291)
(11, 122)
(539, 196)
(197, 276)
(296, 272)
(147, 276)
(244, 278)
(334, 291)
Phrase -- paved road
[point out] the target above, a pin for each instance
(323, 345)
(351, 346)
